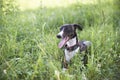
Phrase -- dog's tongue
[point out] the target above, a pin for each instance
(62, 42)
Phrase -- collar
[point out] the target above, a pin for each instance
(80, 44)
(72, 48)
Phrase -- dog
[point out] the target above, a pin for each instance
(69, 41)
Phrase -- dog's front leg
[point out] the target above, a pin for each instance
(64, 63)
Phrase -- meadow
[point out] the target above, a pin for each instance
(29, 47)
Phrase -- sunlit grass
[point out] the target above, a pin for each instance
(28, 4)
(33, 4)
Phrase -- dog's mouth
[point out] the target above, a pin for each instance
(63, 42)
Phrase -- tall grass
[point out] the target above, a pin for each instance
(28, 43)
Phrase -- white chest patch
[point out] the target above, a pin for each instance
(71, 42)
(69, 55)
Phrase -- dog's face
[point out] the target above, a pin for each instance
(67, 32)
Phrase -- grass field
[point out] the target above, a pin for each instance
(29, 47)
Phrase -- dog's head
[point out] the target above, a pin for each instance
(67, 32)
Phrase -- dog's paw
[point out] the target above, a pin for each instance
(64, 69)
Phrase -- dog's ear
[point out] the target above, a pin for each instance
(77, 26)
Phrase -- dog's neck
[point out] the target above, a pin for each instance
(72, 42)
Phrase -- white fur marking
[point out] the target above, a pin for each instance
(84, 77)
(69, 55)
(60, 33)
(64, 69)
(71, 42)
(88, 43)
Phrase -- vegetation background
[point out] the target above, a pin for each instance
(28, 43)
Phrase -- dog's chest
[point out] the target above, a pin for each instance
(71, 42)
(69, 55)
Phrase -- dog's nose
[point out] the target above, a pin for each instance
(58, 36)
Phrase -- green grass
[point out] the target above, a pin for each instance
(29, 47)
